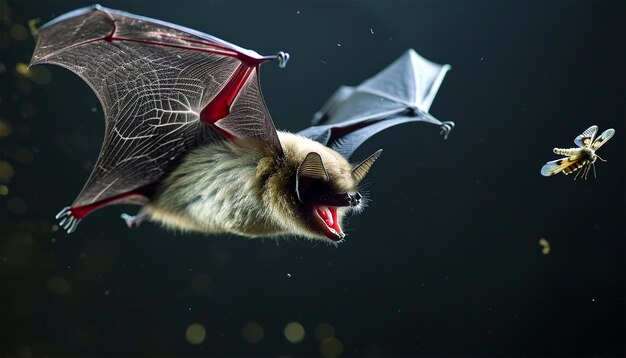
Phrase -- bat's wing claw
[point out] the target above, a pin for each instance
(283, 58)
(67, 220)
(446, 128)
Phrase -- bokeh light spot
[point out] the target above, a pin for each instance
(323, 331)
(200, 282)
(19, 32)
(294, 332)
(5, 128)
(6, 171)
(58, 285)
(16, 206)
(195, 333)
(252, 332)
(331, 347)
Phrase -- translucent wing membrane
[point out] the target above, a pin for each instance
(603, 138)
(154, 81)
(403, 92)
(566, 165)
(586, 138)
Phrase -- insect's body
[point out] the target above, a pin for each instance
(583, 157)
(225, 187)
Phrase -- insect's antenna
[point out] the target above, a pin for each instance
(599, 157)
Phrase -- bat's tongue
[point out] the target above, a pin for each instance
(329, 216)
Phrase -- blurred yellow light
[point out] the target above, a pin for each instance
(19, 32)
(331, 347)
(195, 333)
(294, 332)
(545, 246)
(6, 171)
(58, 285)
(5, 128)
(323, 331)
(252, 332)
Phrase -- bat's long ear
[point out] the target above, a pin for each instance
(359, 171)
(311, 168)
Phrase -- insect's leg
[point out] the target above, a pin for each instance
(133, 222)
(577, 174)
(594, 171)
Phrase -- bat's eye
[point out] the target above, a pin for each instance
(310, 172)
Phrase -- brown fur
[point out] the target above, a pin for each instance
(228, 188)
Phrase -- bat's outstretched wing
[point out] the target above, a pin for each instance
(164, 89)
(402, 92)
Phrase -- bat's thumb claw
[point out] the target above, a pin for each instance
(446, 128)
(283, 58)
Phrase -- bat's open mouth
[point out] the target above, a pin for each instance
(332, 230)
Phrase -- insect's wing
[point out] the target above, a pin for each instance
(566, 165)
(164, 89)
(402, 92)
(603, 138)
(586, 138)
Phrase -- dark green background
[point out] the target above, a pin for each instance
(445, 261)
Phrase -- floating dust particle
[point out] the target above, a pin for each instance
(6, 171)
(58, 285)
(3, 68)
(331, 347)
(372, 31)
(200, 282)
(195, 333)
(323, 331)
(338, 45)
(4, 190)
(55, 228)
(32, 26)
(19, 32)
(298, 12)
(94, 109)
(545, 246)
(16, 205)
(5, 128)
(252, 332)
(294, 332)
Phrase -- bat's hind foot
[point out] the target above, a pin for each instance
(446, 128)
(68, 221)
(133, 222)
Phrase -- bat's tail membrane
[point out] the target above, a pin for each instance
(446, 128)
(68, 221)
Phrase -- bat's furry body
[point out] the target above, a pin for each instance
(227, 187)
(188, 135)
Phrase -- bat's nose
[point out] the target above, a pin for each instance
(354, 198)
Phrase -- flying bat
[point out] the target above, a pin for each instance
(582, 157)
(188, 136)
